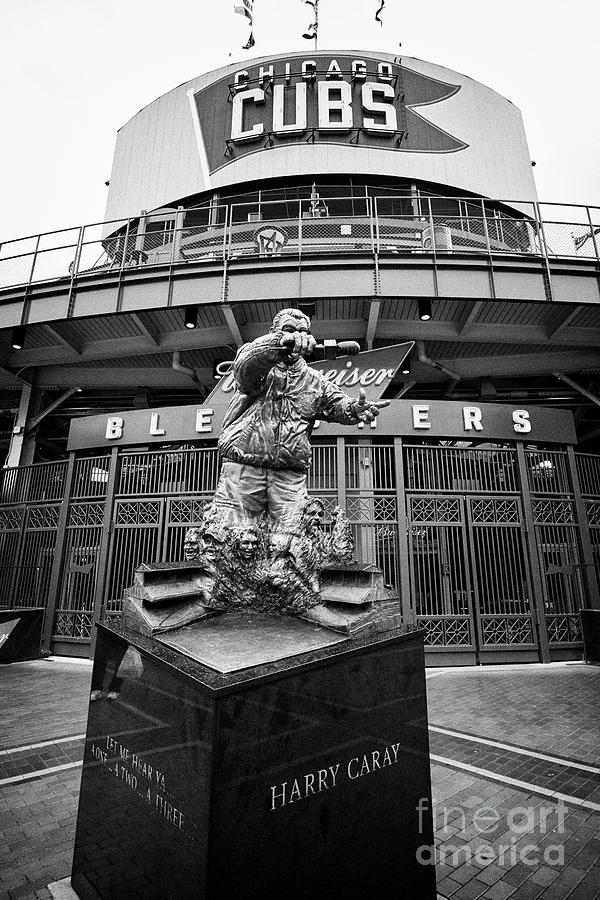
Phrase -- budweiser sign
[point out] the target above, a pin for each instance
(372, 370)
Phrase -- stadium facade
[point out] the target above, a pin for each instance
(394, 200)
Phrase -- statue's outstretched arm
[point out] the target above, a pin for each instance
(254, 361)
(336, 406)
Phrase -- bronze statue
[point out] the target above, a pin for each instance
(299, 554)
(266, 430)
(262, 539)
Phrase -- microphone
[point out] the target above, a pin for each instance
(334, 348)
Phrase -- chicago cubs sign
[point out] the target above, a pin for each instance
(327, 99)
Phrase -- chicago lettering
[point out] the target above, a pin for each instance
(338, 110)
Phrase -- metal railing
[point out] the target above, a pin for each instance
(303, 227)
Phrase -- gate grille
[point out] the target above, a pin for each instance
(440, 576)
(558, 549)
(371, 506)
(74, 613)
(136, 539)
(37, 556)
(11, 523)
(450, 469)
(468, 557)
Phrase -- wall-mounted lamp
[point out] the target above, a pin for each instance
(191, 316)
(424, 305)
(18, 337)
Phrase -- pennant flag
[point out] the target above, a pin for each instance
(378, 13)
(246, 10)
(311, 32)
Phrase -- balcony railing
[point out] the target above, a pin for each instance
(302, 228)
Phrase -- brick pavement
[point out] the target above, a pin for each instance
(494, 840)
(44, 701)
(553, 708)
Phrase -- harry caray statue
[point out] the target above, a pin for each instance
(266, 430)
(262, 537)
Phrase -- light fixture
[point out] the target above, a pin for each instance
(424, 304)
(18, 337)
(191, 316)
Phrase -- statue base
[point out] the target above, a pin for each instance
(291, 762)
(168, 596)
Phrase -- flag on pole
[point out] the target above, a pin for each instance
(246, 10)
(311, 32)
(378, 13)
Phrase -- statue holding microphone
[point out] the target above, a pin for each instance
(265, 437)
(261, 545)
(262, 538)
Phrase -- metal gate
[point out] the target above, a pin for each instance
(493, 549)
(470, 578)
(502, 602)
(558, 539)
(371, 502)
(440, 573)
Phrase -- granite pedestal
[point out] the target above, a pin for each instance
(298, 776)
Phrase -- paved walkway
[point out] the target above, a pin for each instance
(516, 781)
(515, 769)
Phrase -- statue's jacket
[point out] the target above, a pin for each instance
(275, 405)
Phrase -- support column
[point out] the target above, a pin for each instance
(587, 551)
(366, 535)
(21, 450)
(341, 471)
(107, 527)
(57, 565)
(536, 579)
(409, 613)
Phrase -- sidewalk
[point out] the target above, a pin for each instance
(515, 768)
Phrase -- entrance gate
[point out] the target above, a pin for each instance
(492, 549)
(470, 579)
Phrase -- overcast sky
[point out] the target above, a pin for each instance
(74, 71)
